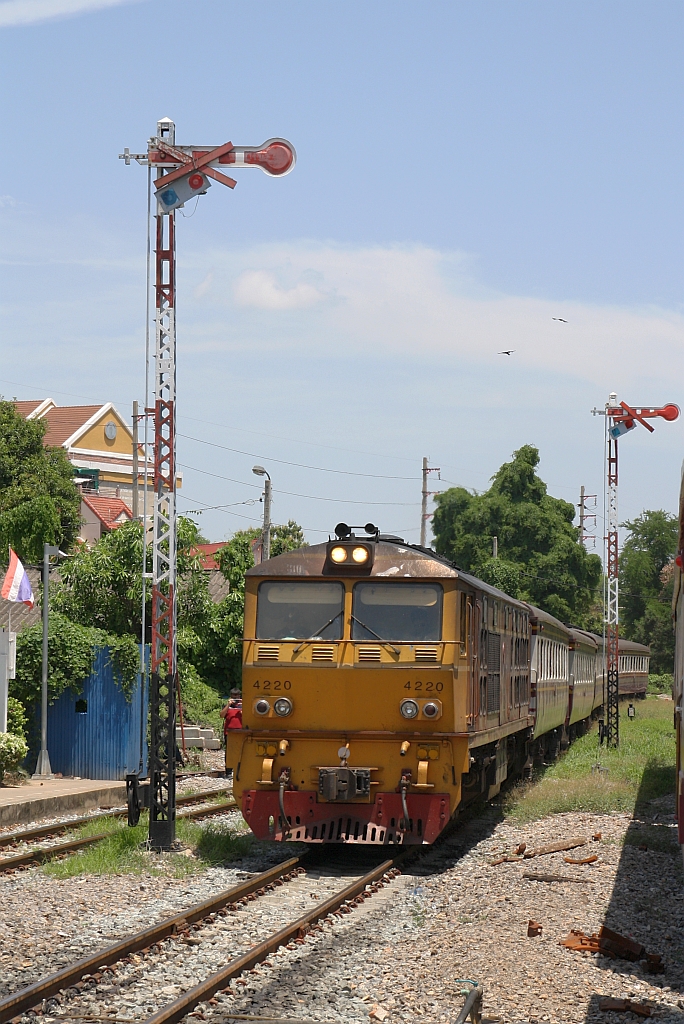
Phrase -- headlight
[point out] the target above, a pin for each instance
(339, 554)
(360, 555)
(283, 706)
(262, 707)
(430, 710)
(408, 708)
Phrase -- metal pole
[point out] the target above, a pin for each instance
(495, 547)
(581, 516)
(43, 768)
(134, 492)
(267, 519)
(162, 832)
(612, 608)
(423, 505)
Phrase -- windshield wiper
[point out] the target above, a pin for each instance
(315, 636)
(377, 637)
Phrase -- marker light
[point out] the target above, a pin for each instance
(339, 554)
(408, 708)
(283, 706)
(262, 707)
(360, 555)
(430, 710)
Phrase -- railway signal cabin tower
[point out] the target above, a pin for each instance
(183, 172)
(620, 419)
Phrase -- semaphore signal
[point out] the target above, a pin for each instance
(184, 172)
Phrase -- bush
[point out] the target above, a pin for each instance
(660, 683)
(16, 717)
(201, 702)
(13, 750)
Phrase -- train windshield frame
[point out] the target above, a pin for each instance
(397, 611)
(300, 610)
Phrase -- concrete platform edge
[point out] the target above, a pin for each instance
(64, 803)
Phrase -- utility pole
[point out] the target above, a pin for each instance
(424, 516)
(585, 515)
(620, 418)
(266, 532)
(134, 493)
(184, 172)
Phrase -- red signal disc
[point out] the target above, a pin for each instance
(196, 181)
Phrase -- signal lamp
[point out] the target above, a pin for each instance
(409, 708)
(283, 707)
(339, 554)
(360, 555)
(430, 710)
(262, 707)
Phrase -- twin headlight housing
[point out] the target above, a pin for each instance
(429, 709)
(282, 707)
(352, 557)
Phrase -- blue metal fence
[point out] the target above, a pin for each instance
(96, 734)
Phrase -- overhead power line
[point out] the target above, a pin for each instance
(299, 465)
(296, 494)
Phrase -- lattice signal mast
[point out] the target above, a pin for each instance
(620, 418)
(183, 172)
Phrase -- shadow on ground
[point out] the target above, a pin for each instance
(647, 904)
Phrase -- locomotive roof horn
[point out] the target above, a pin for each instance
(342, 531)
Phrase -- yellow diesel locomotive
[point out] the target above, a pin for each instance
(383, 688)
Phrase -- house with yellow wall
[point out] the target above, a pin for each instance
(99, 443)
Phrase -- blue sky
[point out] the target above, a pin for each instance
(466, 172)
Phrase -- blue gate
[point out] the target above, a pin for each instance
(97, 733)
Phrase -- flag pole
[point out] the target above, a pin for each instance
(43, 769)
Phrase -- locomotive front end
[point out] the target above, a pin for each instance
(354, 695)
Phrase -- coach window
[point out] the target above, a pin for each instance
(301, 610)
(397, 611)
(463, 625)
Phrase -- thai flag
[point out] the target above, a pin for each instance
(16, 586)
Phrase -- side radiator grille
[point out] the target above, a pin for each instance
(268, 652)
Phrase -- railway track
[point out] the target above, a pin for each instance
(44, 853)
(204, 933)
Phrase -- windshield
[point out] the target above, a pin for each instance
(397, 611)
(300, 611)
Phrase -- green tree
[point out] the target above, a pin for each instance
(38, 500)
(71, 650)
(539, 557)
(102, 586)
(646, 584)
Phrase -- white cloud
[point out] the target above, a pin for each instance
(27, 12)
(413, 301)
(204, 286)
(260, 289)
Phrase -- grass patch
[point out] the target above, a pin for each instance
(642, 768)
(123, 851)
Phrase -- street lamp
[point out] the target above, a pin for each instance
(266, 534)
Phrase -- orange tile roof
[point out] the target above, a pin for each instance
(107, 510)
(207, 553)
(65, 421)
(26, 408)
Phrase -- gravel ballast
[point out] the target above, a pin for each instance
(399, 956)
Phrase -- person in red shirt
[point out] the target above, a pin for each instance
(232, 716)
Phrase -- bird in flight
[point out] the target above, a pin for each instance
(507, 352)
(559, 319)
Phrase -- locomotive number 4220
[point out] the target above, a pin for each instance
(424, 687)
(275, 684)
